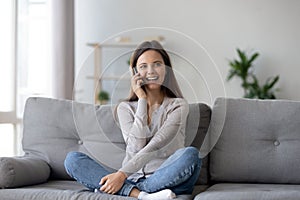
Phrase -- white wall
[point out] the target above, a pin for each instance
(270, 27)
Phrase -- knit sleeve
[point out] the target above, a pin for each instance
(134, 125)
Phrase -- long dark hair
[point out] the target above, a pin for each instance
(170, 86)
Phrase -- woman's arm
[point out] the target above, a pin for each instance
(174, 124)
(134, 125)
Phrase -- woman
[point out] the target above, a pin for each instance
(153, 119)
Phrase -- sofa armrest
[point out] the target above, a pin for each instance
(22, 171)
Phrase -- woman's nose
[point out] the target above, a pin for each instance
(150, 69)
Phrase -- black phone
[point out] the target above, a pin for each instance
(134, 70)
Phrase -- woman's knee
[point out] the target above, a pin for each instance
(192, 154)
(193, 151)
(71, 160)
(72, 156)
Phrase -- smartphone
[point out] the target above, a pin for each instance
(134, 70)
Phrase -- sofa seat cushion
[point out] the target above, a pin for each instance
(55, 190)
(250, 192)
(59, 189)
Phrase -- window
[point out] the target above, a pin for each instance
(7, 140)
(7, 78)
(24, 65)
(33, 60)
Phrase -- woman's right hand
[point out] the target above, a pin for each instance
(136, 83)
(112, 183)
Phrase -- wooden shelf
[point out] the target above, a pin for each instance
(109, 77)
(113, 45)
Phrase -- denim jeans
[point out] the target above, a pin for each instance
(178, 173)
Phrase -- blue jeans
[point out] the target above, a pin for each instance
(178, 173)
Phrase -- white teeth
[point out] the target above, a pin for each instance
(152, 78)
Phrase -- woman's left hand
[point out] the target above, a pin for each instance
(112, 183)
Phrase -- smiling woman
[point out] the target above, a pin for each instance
(157, 165)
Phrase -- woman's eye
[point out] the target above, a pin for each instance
(143, 66)
(158, 64)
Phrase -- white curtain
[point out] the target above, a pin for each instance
(62, 21)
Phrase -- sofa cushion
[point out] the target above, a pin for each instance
(258, 141)
(56, 190)
(62, 190)
(250, 192)
(21, 171)
(52, 128)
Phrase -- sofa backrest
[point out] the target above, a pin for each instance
(259, 141)
(52, 128)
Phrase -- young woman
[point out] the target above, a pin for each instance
(152, 120)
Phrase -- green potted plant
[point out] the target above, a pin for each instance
(103, 97)
(243, 68)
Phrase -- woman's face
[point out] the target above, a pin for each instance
(152, 69)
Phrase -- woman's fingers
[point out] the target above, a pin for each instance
(137, 80)
(136, 83)
(110, 191)
(107, 189)
(112, 183)
(103, 180)
(140, 82)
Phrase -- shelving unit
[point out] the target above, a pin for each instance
(98, 79)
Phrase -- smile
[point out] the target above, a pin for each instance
(152, 78)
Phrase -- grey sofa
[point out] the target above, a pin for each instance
(250, 148)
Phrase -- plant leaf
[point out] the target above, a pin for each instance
(242, 56)
(273, 82)
(253, 57)
(231, 74)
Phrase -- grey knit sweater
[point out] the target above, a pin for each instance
(148, 146)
